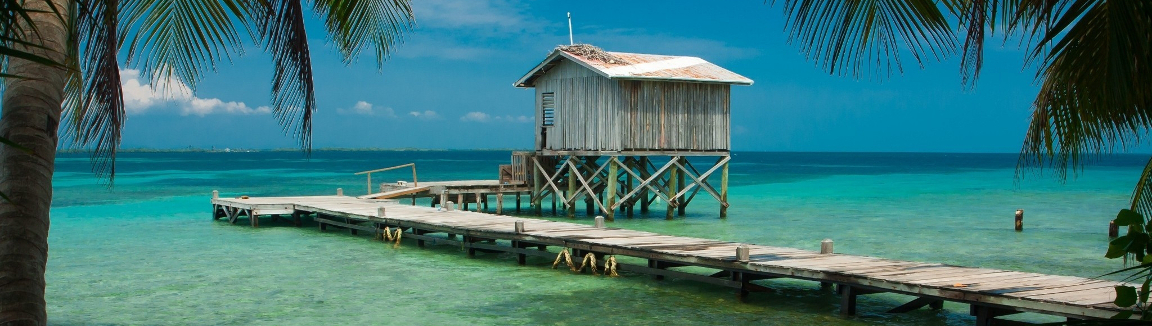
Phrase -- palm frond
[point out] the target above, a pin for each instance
(94, 102)
(868, 37)
(16, 34)
(281, 27)
(357, 24)
(1094, 96)
(181, 38)
(1142, 194)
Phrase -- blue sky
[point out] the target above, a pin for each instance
(449, 85)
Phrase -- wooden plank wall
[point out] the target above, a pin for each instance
(594, 113)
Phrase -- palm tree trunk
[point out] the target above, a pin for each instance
(29, 116)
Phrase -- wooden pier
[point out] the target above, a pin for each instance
(991, 293)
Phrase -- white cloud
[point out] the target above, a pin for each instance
(426, 115)
(365, 108)
(140, 97)
(477, 116)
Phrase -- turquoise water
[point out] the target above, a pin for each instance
(147, 252)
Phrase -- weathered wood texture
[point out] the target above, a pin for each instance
(595, 113)
(1068, 296)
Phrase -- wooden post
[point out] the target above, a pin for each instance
(742, 253)
(517, 202)
(369, 184)
(826, 248)
(553, 203)
(535, 197)
(631, 204)
(518, 226)
(380, 212)
(599, 222)
(460, 199)
(483, 196)
(1019, 220)
(613, 170)
(589, 206)
(449, 206)
(680, 204)
(339, 191)
(215, 194)
(645, 174)
(478, 203)
(1113, 230)
(724, 191)
(569, 197)
(443, 199)
(672, 173)
(500, 203)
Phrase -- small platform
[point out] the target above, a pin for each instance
(990, 292)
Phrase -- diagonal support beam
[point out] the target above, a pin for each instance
(646, 183)
(701, 180)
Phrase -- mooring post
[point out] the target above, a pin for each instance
(215, 194)
(380, 212)
(599, 222)
(1113, 229)
(1019, 220)
(613, 171)
(500, 203)
(724, 191)
(743, 253)
(449, 206)
(826, 248)
(339, 191)
(518, 227)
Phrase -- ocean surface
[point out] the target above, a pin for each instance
(147, 252)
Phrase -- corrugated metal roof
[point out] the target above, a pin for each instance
(642, 66)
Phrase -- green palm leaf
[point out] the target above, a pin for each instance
(357, 24)
(280, 24)
(868, 37)
(1094, 96)
(181, 38)
(94, 103)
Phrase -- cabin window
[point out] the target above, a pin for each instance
(548, 108)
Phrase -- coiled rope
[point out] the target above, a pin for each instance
(588, 261)
(388, 235)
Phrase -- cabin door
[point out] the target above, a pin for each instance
(547, 118)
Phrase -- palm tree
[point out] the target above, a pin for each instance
(60, 61)
(1093, 67)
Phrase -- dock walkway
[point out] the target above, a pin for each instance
(990, 292)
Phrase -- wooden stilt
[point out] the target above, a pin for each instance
(553, 204)
(724, 191)
(644, 173)
(485, 201)
(478, 209)
(613, 170)
(537, 195)
(672, 174)
(681, 204)
(569, 197)
(460, 201)
(517, 202)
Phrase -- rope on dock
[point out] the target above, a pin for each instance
(567, 259)
(388, 235)
(610, 267)
(589, 259)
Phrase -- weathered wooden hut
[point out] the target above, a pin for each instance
(591, 101)
(632, 109)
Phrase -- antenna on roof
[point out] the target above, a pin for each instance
(570, 42)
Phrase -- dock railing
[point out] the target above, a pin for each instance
(415, 182)
(519, 170)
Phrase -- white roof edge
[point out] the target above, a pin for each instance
(744, 81)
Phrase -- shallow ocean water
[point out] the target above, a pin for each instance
(146, 252)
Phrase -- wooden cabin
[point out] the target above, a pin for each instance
(589, 101)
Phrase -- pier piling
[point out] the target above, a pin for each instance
(1019, 220)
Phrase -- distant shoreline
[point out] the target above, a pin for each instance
(254, 150)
